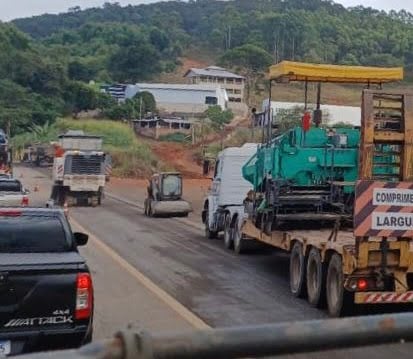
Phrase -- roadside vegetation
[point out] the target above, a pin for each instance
(51, 66)
(131, 157)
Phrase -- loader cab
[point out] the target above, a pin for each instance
(166, 187)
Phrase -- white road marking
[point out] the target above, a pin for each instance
(171, 302)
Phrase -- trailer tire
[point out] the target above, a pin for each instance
(316, 279)
(208, 233)
(228, 233)
(239, 239)
(60, 196)
(94, 201)
(145, 207)
(150, 211)
(339, 301)
(297, 271)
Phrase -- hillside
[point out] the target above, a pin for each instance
(311, 30)
(30, 86)
(47, 61)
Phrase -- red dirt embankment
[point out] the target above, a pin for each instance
(179, 157)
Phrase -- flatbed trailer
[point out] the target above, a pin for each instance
(330, 268)
(371, 263)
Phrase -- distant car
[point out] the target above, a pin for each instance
(46, 293)
(12, 193)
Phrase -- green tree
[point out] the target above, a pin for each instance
(218, 117)
(80, 97)
(135, 62)
(80, 71)
(250, 60)
(147, 100)
(16, 105)
(248, 57)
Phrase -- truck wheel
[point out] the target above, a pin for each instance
(70, 200)
(208, 233)
(150, 213)
(315, 279)
(297, 271)
(145, 207)
(228, 233)
(95, 201)
(339, 301)
(239, 240)
(61, 196)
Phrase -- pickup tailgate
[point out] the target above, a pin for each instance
(11, 199)
(39, 292)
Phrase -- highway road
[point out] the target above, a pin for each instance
(162, 274)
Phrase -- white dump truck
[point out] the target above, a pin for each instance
(223, 208)
(79, 170)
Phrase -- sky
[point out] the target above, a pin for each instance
(11, 9)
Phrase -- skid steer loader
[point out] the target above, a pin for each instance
(164, 198)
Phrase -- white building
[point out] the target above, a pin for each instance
(332, 114)
(233, 83)
(183, 99)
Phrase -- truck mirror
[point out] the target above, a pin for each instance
(81, 239)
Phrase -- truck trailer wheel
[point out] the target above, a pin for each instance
(228, 233)
(297, 271)
(339, 301)
(315, 279)
(145, 207)
(208, 233)
(94, 201)
(239, 239)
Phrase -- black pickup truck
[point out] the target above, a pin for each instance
(46, 293)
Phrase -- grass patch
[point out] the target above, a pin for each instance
(115, 134)
(175, 137)
(130, 157)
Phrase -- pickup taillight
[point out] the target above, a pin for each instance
(25, 201)
(84, 296)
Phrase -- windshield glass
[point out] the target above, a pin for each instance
(32, 235)
(10, 186)
(172, 185)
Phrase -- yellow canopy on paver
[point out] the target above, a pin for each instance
(297, 71)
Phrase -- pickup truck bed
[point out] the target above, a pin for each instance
(40, 291)
(12, 193)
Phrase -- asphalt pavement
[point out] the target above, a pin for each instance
(162, 274)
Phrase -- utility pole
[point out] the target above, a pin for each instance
(8, 130)
(253, 119)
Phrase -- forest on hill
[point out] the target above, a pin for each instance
(47, 62)
(310, 30)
